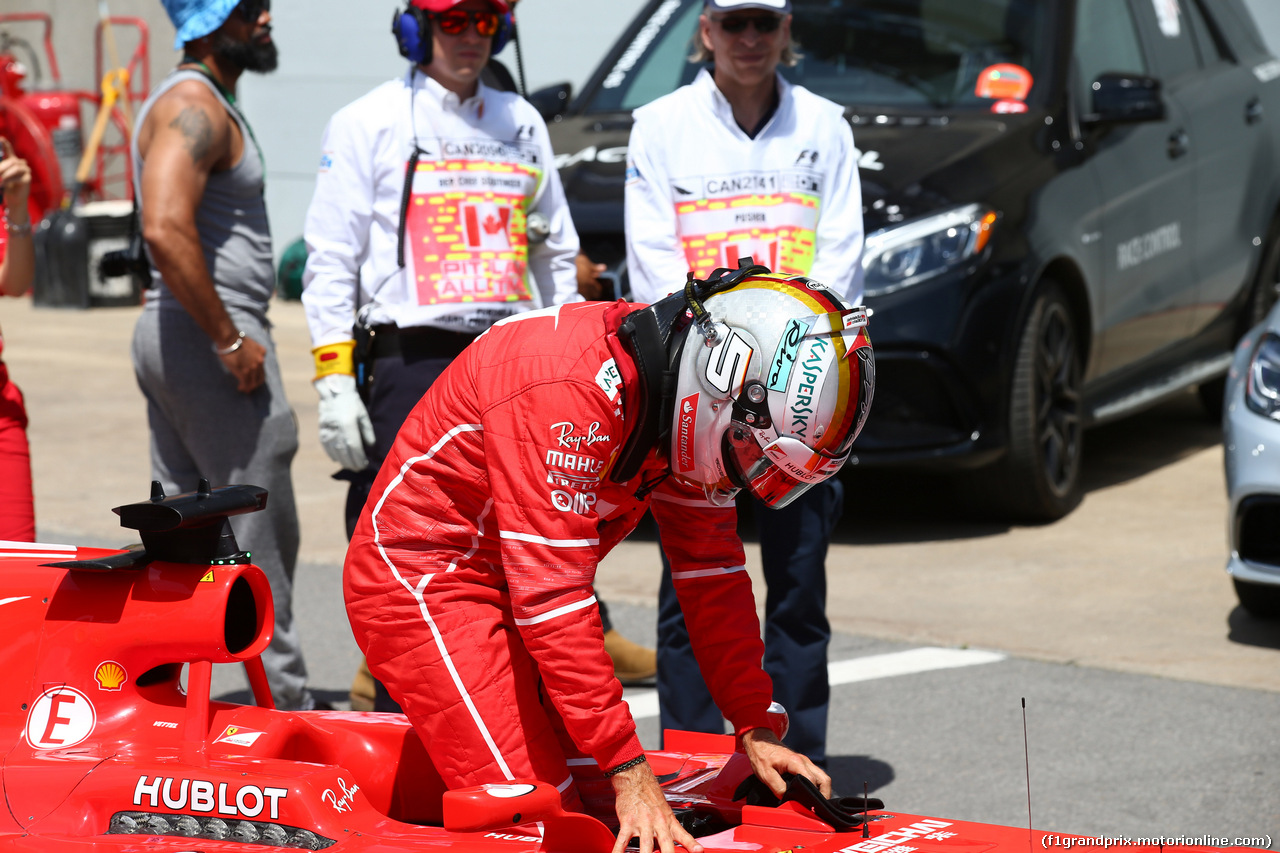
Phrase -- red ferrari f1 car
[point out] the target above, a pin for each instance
(102, 748)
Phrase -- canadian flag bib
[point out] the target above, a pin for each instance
(466, 238)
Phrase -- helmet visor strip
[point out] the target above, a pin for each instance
(779, 472)
(847, 331)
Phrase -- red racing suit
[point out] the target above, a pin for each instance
(17, 506)
(469, 580)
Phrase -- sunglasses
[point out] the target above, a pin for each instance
(763, 24)
(454, 22)
(251, 10)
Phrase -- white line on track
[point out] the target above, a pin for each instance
(644, 703)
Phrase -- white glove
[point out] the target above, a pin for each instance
(345, 428)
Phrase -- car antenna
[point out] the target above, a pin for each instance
(1026, 754)
(866, 824)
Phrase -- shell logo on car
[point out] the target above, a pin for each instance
(110, 675)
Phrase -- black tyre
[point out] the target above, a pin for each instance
(1039, 477)
(1260, 600)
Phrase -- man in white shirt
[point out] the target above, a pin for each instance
(419, 269)
(740, 163)
(417, 231)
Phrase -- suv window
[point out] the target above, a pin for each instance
(910, 54)
(1174, 49)
(1106, 40)
(663, 67)
(1208, 39)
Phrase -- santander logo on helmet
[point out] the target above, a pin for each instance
(774, 382)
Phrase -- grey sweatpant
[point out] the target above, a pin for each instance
(201, 426)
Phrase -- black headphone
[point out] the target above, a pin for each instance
(412, 29)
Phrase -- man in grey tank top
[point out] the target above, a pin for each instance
(202, 349)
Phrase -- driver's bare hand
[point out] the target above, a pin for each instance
(643, 813)
(246, 365)
(770, 759)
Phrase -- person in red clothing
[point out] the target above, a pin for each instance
(469, 580)
(17, 269)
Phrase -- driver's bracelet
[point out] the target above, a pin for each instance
(228, 350)
(626, 765)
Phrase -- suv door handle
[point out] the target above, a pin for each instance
(1179, 144)
(1253, 111)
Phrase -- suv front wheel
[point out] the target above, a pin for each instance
(1039, 477)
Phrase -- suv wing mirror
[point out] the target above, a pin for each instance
(1121, 98)
(552, 101)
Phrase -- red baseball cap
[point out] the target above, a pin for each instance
(502, 7)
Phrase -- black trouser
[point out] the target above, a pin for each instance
(793, 550)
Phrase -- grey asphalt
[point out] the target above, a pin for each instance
(1153, 701)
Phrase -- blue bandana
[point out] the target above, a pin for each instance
(196, 18)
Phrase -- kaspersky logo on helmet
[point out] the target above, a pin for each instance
(686, 425)
(810, 373)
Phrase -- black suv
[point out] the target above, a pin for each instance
(1039, 259)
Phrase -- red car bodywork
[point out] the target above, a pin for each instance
(98, 736)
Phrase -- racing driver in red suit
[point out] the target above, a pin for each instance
(469, 578)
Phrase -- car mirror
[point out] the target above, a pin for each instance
(1121, 98)
(552, 101)
(498, 807)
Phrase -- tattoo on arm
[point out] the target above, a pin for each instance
(195, 125)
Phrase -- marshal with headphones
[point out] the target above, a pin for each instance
(412, 29)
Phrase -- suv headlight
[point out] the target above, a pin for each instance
(1262, 389)
(921, 249)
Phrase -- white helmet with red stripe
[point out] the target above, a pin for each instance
(774, 382)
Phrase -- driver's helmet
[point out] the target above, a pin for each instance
(773, 385)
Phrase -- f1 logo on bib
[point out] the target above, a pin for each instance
(62, 716)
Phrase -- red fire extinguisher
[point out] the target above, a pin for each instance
(43, 123)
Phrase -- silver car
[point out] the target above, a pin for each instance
(1251, 439)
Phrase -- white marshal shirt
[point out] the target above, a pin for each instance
(486, 164)
(701, 193)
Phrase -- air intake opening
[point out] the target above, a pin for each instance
(241, 624)
(1259, 520)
